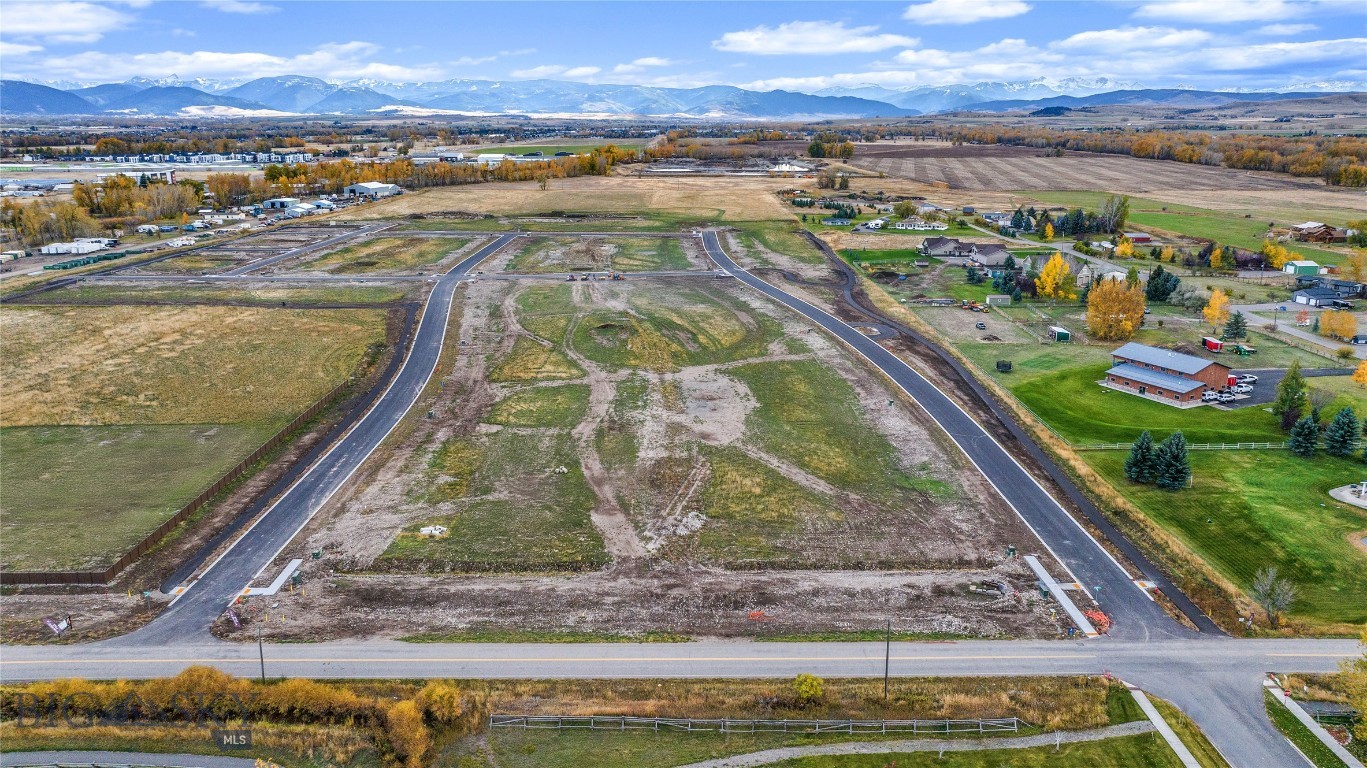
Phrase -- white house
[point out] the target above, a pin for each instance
(371, 189)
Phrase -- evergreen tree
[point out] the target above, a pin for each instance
(1140, 466)
(1018, 219)
(1016, 295)
(1172, 465)
(1341, 436)
(973, 277)
(1009, 265)
(1237, 327)
(1291, 398)
(1305, 437)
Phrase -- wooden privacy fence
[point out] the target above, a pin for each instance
(621, 723)
(153, 538)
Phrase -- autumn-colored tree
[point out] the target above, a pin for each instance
(1360, 375)
(1338, 325)
(1168, 254)
(408, 735)
(1048, 232)
(1124, 248)
(1303, 317)
(1217, 258)
(1355, 266)
(1217, 309)
(1114, 310)
(1277, 255)
(1055, 281)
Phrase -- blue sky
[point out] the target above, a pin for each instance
(796, 46)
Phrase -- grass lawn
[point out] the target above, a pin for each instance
(1146, 750)
(562, 406)
(79, 497)
(807, 415)
(386, 254)
(218, 294)
(1205, 753)
(1221, 226)
(1299, 735)
(546, 310)
(1250, 509)
(176, 365)
(545, 255)
(685, 326)
(780, 237)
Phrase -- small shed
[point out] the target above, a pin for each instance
(998, 300)
(1301, 267)
(1060, 334)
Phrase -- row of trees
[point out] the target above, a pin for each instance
(1166, 465)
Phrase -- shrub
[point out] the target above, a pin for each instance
(441, 701)
(407, 734)
(808, 689)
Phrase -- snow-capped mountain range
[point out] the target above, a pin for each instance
(300, 95)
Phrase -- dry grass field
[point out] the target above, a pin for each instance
(732, 199)
(386, 255)
(1002, 168)
(175, 365)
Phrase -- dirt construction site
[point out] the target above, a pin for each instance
(654, 456)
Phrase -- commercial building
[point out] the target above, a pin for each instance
(1163, 374)
(371, 189)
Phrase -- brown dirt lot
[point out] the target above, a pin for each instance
(731, 199)
(661, 455)
(1003, 168)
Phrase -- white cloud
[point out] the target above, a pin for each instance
(536, 73)
(239, 6)
(330, 61)
(641, 64)
(575, 72)
(1132, 39)
(809, 38)
(61, 22)
(964, 11)
(1286, 30)
(17, 49)
(1227, 11)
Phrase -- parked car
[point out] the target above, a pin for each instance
(1248, 378)
(1242, 389)
(1226, 397)
(1210, 396)
(981, 326)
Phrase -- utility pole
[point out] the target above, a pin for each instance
(261, 651)
(887, 661)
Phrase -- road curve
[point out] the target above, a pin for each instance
(190, 616)
(1135, 613)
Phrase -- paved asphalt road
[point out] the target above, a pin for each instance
(191, 615)
(1136, 615)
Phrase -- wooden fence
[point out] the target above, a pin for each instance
(155, 537)
(621, 723)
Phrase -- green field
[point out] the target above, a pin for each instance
(386, 254)
(513, 512)
(545, 255)
(562, 406)
(78, 497)
(1228, 227)
(119, 415)
(102, 293)
(1250, 509)
(782, 237)
(1309, 745)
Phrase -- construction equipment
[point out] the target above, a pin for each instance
(618, 276)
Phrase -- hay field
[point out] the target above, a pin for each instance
(175, 365)
(703, 199)
(1002, 168)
